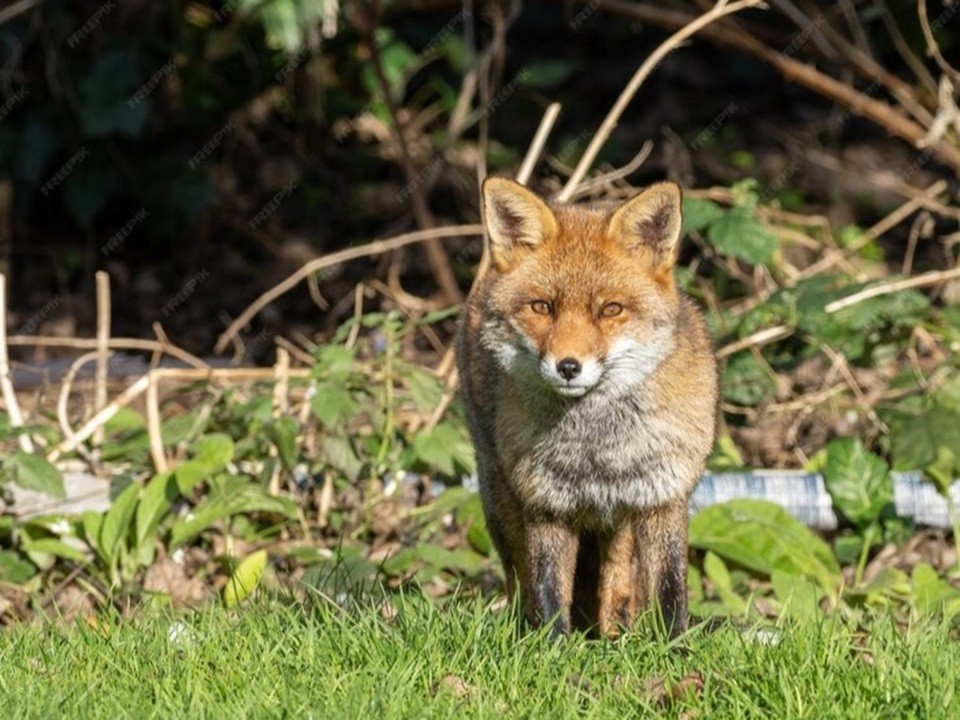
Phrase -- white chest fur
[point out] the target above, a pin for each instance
(599, 457)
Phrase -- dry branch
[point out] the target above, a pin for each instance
(6, 384)
(375, 248)
(935, 277)
(103, 347)
(721, 9)
(805, 75)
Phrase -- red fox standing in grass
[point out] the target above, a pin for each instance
(591, 392)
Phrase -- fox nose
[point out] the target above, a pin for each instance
(569, 368)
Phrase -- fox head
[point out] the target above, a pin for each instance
(582, 296)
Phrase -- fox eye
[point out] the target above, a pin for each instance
(611, 309)
(541, 307)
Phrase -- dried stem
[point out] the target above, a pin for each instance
(935, 277)
(375, 248)
(103, 347)
(6, 384)
(721, 9)
(436, 255)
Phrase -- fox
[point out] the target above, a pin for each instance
(590, 390)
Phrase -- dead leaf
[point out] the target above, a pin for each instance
(656, 688)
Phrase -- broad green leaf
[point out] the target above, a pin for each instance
(471, 514)
(55, 547)
(236, 496)
(35, 472)
(339, 454)
(932, 594)
(739, 234)
(918, 441)
(763, 537)
(14, 568)
(444, 447)
(158, 497)
(699, 214)
(798, 596)
(182, 426)
(333, 360)
(426, 389)
(215, 450)
(716, 570)
(116, 523)
(857, 480)
(746, 381)
(889, 583)
(245, 578)
(333, 403)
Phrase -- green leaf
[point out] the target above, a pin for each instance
(234, 496)
(746, 381)
(699, 214)
(333, 360)
(158, 497)
(245, 578)
(339, 454)
(215, 450)
(763, 537)
(14, 568)
(546, 74)
(798, 596)
(283, 433)
(857, 480)
(443, 448)
(333, 403)
(35, 472)
(55, 547)
(471, 514)
(925, 441)
(116, 523)
(932, 594)
(716, 570)
(738, 233)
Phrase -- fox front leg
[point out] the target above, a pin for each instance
(547, 582)
(617, 586)
(661, 552)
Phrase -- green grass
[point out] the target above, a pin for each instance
(275, 659)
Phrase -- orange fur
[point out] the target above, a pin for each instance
(591, 390)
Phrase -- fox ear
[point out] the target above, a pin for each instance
(516, 220)
(650, 221)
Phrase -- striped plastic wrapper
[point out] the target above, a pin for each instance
(805, 496)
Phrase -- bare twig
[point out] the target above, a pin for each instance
(63, 415)
(113, 344)
(761, 337)
(603, 180)
(805, 75)
(935, 277)
(103, 347)
(281, 405)
(375, 248)
(6, 384)
(721, 9)
(537, 144)
(933, 49)
(102, 417)
(154, 432)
